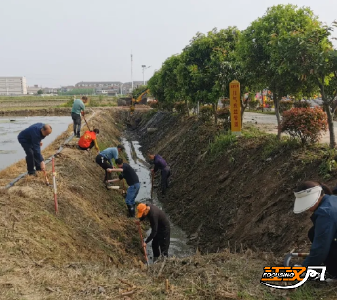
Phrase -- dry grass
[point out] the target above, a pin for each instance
(214, 276)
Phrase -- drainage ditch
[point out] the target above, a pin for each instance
(178, 243)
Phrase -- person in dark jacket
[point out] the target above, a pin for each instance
(30, 140)
(160, 164)
(317, 198)
(131, 178)
(160, 229)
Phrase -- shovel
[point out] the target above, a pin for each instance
(86, 122)
(141, 242)
(289, 256)
(152, 176)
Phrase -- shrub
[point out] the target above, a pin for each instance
(206, 112)
(153, 104)
(269, 103)
(166, 106)
(285, 105)
(180, 107)
(223, 113)
(305, 124)
(69, 103)
(302, 104)
(253, 104)
(225, 101)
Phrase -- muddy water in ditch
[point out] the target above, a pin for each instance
(178, 243)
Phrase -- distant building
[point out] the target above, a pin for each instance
(127, 86)
(32, 90)
(47, 90)
(110, 92)
(98, 84)
(13, 86)
(68, 88)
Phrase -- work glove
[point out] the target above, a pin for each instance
(120, 177)
(82, 113)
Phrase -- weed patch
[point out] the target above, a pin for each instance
(220, 143)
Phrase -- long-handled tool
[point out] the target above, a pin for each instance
(142, 242)
(124, 191)
(152, 176)
(55, 188)
(86, 122)
(289, 256)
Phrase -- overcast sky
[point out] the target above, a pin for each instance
(63, 42)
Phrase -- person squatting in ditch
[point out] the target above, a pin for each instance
(160, 229)
(88, 140)
(104, 159)
(161, 164)
(131, 178)
(30, 140)
(318, 199)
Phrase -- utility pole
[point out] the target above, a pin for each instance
(131, 73)
(144, 68)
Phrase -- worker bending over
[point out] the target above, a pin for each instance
(104, 159)
(131, 178)
(160, 164)
(30, 140)
(160, 229)
(317, 198)
(88, 140)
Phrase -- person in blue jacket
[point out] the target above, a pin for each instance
(104, 159)
(161, 164)
(318, 199)
(30, 140)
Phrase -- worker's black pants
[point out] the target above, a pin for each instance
(92, 144)
(77, 123)
(331, 260)
(165, 174)
(32, 158)
(105, 164)
(161, 244)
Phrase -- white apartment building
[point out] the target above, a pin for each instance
(13, 86)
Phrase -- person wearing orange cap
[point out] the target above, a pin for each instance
(160, 229)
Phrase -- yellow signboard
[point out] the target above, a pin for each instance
(235, 103)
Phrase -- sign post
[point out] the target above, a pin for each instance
(235, 104)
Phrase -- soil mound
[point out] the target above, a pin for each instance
(235, 192)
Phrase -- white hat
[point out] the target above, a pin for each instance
(306, 199)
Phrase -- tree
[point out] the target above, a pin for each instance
(262, 56)
(204, 61)
(316, 63)
(156, 87)
(138, 91)
(169, 78)
(40, 92)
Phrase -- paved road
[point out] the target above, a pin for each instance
(268, 123)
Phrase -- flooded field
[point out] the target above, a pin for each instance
(178, 244)
(10, 149)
